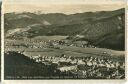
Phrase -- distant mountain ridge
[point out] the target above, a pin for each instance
(27, 18)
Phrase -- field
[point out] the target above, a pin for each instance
(68, 50)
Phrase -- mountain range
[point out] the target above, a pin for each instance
(105, 28)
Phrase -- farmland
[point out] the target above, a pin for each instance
(44, 48)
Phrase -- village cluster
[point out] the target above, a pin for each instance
(80, 67)
(86, 66)
(48, 44)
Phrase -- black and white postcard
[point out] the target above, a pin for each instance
(64, 40)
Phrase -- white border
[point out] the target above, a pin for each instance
(2, 43)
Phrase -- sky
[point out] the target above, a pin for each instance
(64, 1)
(61, 6)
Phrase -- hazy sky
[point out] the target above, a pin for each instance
(61, 6)
(65, 1)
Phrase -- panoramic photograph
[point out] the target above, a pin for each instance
(64, 41)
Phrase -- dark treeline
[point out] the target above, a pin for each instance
(18, 65)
